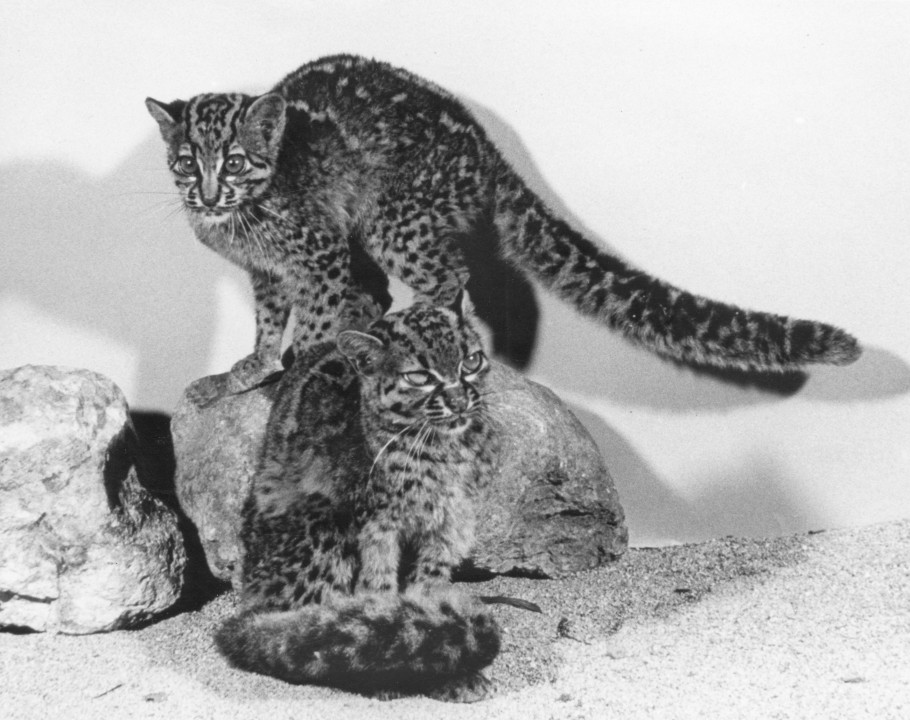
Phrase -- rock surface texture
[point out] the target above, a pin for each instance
(550, 509)
(216, 449)
(83, 547)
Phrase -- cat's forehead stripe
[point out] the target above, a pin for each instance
(213, 120)
(435, 338)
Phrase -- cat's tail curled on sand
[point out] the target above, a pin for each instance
(385, 644)
(663, 318)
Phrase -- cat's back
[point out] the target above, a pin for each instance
(361, 91)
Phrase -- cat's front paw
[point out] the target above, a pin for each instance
(252, 371)
(203, 392)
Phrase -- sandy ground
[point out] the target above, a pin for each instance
(814, 626)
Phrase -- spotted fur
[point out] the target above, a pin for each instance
(348, 154)
(362, 506)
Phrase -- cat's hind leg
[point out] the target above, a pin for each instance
(339, 290)
(415, 234)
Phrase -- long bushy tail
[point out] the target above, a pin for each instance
(382, 642)
(663, 318)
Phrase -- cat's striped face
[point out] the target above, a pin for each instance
(222, 149)
(423, 364)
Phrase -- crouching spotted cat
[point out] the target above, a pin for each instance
(362, 506)
(348, 155)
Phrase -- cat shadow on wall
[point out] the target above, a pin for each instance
(114, 256)
(749, 501)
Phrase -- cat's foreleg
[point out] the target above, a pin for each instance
(323, 290)
(318, 305)
(417, 245)
(432, 570)
(329, 299)
(380, 555)
(440, 552)
(273, 304)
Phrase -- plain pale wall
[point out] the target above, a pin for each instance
(751, 152)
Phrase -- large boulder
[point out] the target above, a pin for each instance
(83, 547)
(549, 509)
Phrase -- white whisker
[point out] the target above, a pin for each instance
(174, 211)
(270, 212)
(258, 233)
(251, 234)
(385, 447)
(416, 449)
(160, 205)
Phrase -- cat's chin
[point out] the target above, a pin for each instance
(210, 218)
(453, 426)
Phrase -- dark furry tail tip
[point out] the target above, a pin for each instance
(815, 342)
(229, 639)
(842, 348)
(488, 638)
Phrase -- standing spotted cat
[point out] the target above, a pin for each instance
(362, 506)
(349, 154)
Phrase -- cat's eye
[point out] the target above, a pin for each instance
(472, 363)
(418, 378)
(186, 165)
(234, 164)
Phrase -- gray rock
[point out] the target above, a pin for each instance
(217, 439)
(83, 547)
(549, 510)
(552, 508)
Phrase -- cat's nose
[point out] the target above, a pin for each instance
(209, 191)
(457, 401)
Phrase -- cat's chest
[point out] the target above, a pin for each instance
(424, 487)
(251, 244)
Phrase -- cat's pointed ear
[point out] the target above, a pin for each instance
(364, 351)
(263, 124)
(167, 115)
(462, 305)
